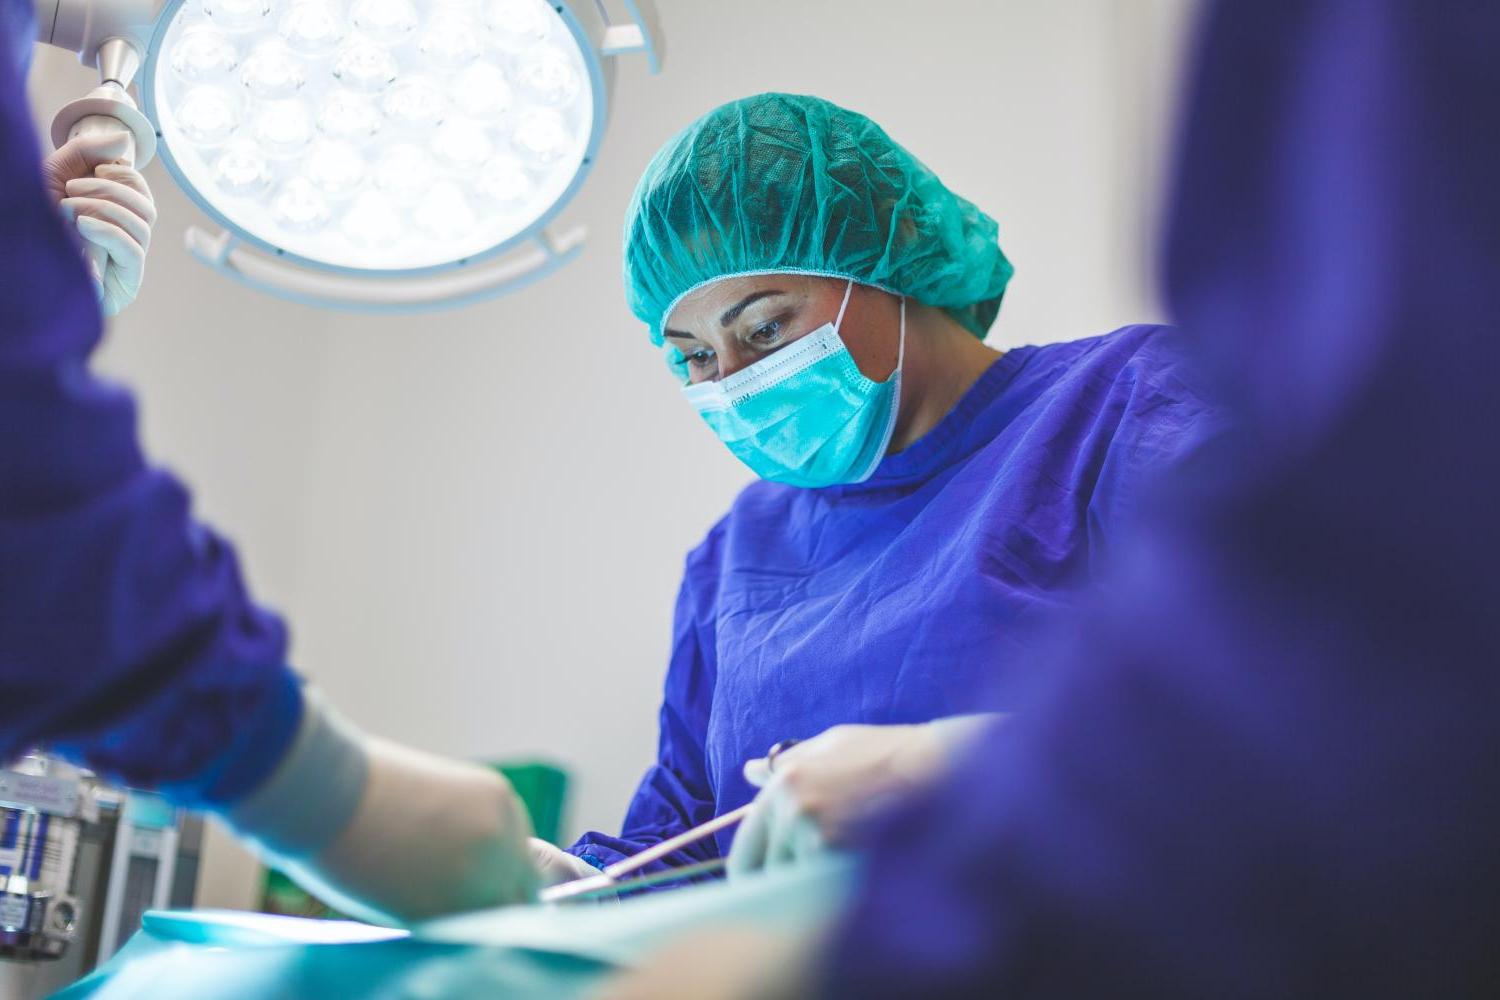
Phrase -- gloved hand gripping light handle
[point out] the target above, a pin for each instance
(97, 256)
(108, 109)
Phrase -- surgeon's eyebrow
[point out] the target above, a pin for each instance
(730, 314)
(733, 312)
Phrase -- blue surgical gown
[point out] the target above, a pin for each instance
(1268, 765)
(910, 596)
(128, 640)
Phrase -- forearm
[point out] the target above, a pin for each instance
(386, 832)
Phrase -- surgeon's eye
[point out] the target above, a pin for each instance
(700, 361)
(767, 333)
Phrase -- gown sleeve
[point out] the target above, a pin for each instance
(675, 794)
(128, 641)
(1165, 420)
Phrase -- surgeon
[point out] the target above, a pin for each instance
(924, 502)
(1268, 765)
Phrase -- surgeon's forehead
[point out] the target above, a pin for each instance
(705, 307)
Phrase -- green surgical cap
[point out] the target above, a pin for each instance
(785, 183)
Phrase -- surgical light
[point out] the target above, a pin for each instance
(384, 154)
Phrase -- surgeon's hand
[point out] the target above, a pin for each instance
(431, 836)
(823, 787)
(555, 866)
(110, 205)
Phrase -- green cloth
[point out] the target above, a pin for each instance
(543, 788)
(510, 952)
(786, 183)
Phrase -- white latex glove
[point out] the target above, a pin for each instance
(824, 786)
(555, 866)
(385, 832)
(110, 205)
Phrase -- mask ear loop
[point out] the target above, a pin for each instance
(901, 349)
(838, 323)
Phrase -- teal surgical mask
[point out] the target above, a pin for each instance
(805, 415)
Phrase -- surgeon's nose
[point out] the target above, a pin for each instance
(731, 361)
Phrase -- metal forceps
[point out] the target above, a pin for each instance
(615, 877)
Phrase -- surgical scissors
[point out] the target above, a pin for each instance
(609, 879)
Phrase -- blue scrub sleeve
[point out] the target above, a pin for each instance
(1160, 420)
(1268, 765)
(675, 794)
(127, 639)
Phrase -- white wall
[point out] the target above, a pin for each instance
(475, 520)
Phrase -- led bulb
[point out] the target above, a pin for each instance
(481, 91)
(372, 221)
(404, 172)
(208, 115)
(547, 75)
(450, 40)
(203, 53)
(516, 25)
(345, 114)
(299, 206)
(312, 27)
(336, 168)
(503, 179)
(272, 70)
(415, 102)
(444, 212)
(389, 21)
(284, 128)
(461, 144)
(237, 15)
(243, 170)
(365, 66)
(541, 136)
